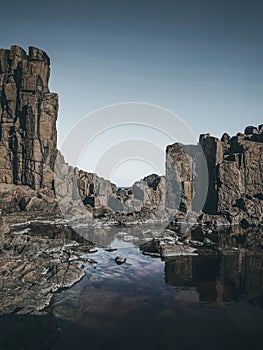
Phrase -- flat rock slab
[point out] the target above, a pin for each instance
(33, 268)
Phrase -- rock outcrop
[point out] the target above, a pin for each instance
(28, 114)
(33, 266)
(145, 198)
(231, 168)
(235, 176)
(28, 138)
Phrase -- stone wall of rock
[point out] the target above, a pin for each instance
(74, 187)
(28, 114)
(28, 137)
(235, 175)
(232, 167)
(145, 198)
(186, 178)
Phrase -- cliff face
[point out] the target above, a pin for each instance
(232, 167)
(235, 174)
(28, 137)
(28, 113)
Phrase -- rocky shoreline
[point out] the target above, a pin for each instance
(42, 255)
(42, 198)
(38, 259)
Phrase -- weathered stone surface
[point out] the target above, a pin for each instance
(28, 115)
(251, 130)
(186, 178)
(15, 198)
(235, 168)
(28, 138)
(4, 229)
(74, 187)
(29, 158)
(33, 266)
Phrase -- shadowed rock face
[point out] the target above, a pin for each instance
(28, 114)
(236, 172)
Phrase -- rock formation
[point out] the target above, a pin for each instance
(28, 113)
(231, 167)
(235, 175)
(4, 228)
(28, 137)
(34, 266)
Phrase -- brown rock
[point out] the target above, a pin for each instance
(27, 118)
(235, 175)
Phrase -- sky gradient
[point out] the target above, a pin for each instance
(200, 59)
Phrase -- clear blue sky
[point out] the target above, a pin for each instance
(200, 59)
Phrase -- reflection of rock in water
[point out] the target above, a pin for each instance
(27, 332)
(55, 232)
(219, 279)
(179, 272)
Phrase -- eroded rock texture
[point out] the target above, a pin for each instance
(35, 262)
(232, 167)
(28, 139)
(28, 113)
(235, 176)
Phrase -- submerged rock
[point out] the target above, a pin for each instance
(173, 250)
(110, 249)
(120, 260)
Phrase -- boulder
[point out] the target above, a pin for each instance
(251, 130)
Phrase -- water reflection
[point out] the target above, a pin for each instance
(212, 301)
(221, 278)
(235, 271)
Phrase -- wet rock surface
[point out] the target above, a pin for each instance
(36, 260)
(41, 256)
(202, 241)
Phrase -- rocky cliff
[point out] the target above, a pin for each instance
(28, 113)
(28, 138)
(235, 175)
(231, 168)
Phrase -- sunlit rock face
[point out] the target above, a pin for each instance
(28, 137)
(28, 113)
